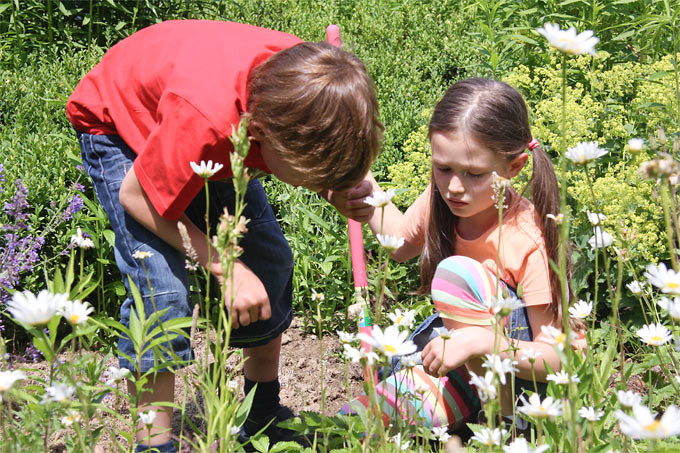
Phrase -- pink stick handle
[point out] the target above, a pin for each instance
(333, 35)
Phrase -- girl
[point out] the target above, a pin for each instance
(479, 127)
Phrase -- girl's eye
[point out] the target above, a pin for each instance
(475, 175)
(442, 169)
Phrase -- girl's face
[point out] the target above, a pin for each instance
(462, 172)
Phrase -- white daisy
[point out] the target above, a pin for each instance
(540, 409)
(441, 434)
(359, 355)
(531, 354)
(503, 306)
(595, 218)
(76, 313)
(500, 366)
(206, 170)
(634, 287)
(235, 430)
(556, 337)
(654, 334)
(380, 199)
(590, 413)
(232, 385)
(390, 243)
(667, 280)
(563, 378)
(58, 392)
(636, 144)
(568, 41)
(411, 360)
(671, 306)
(585, 152)
(644, 424)
(7, 380)
(26, 308)
(317, 297)
(404, 318)
(390, 342)
(581, 309)
(116, 375)
(401, 443)
(148, 417)
(346, 337)
(558, 219)
(489, 437)
(486, 387)
(520, 445)
(141, 255)
(71, 418)
(628, 398)
(81, 241)
(600, 239)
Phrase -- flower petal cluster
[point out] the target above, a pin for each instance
(441, 433)
(380, 199)
(76, 313)
(636, 144)
(500, 366)
(531, 354)
(34, 311)
(628, 398)
(82, 241)
(568, 41)
(520, 445)
(317, 297)
(404, 318)
(148, 417)
(59, 392)
(563, 378)
(581, 309)
(590, 413)
(634, 287)
(556, 337)
(600, 239)
(359, 355)
(536, 408)
(141, 255)
(667, 280)
(206, 170)
(671, 306)
(595, 218)
(585, 152)
(654, 334)
(390, 243)
(401, 443)
(489, 437)
(389, 342)
(71, 418)
(643, 424)
(116, 374)
(7, 380)
(503, 306)
(486, 387)
(346, 337)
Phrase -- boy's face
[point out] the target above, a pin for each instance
(282, 170)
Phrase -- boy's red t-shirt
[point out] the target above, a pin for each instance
(173, 91)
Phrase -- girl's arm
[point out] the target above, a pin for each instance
(470, 343)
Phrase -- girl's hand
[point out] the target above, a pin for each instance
(350, 203)
(441, 356)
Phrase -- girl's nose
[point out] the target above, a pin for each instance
(456, 185)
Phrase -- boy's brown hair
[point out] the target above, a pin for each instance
(315, 105)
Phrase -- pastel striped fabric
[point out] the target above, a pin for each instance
(416, 397)
(462, 289)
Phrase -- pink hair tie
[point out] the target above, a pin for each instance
(533, 144)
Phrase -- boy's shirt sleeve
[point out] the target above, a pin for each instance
(183, 135)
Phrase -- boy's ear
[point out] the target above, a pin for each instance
(517, 164)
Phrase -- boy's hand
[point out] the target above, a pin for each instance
(251, 302)
(350, 203)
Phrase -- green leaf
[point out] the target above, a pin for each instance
(244, 407)
(261, 443)
(110, 237)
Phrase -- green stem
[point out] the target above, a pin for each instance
(665, 196)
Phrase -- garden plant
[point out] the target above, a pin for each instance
(602, 83)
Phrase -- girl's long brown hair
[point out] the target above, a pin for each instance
(495, 115)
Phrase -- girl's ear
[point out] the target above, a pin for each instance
(517, 164)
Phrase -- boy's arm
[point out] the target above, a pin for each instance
(251, 303)
(351, 204)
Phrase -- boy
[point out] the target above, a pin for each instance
(168, 95)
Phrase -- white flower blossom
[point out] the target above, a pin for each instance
(404, 318)
(75, 312)
(380, 199)
(590, 413)
(72, 417)
(667, 280)
(7, 380)
(356, 355)
(654, 334)
(672, 307)
(634, 287)
(585, 152)
(35, 311)
(58, 392)
(500, 366)
(148, 417)
(568, 41)
(486, 387)
(643, 424)
(536, 408)
(636, 144)
(390, 243)
(141, 255)
(563, 378)
(116, 375)
(390, 342)
(346, 337)
(206, 170)
(411, 360)
(317, 297)
(556, 337)
(441, 434)
(600, 239)
(595, 218)
(489, 437)
(503, 306)
(628, 398)
(558, 219)
(81, 241)
(235, 431)
(520, 445)
(531, 354)
(581, 309)
(401, 443)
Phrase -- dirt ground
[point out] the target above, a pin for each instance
(299, 375)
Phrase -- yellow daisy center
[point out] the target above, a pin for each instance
(390, 348)
(74, 318)
(655, 339)
(672, 285)
(654, 426)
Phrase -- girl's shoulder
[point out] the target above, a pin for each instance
(522, 220)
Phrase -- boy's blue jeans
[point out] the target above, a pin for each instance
(107, 158)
